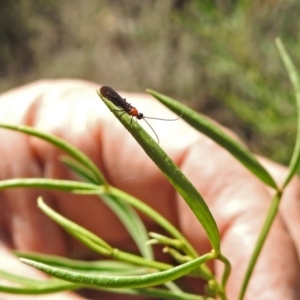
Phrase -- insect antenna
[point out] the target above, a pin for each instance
(163, 119)
(145, 117)
(152, 129)
(111, 95)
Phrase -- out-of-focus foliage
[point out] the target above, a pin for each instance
(242, 69)
(218, 55)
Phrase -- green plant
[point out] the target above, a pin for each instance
(133, 274)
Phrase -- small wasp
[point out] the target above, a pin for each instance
(111, 95)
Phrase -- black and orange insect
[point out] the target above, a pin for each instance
(111, 95)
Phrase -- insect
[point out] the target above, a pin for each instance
(111, 95)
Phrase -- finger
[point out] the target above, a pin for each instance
(239, 203)
(24, 225)
(83, 120)
(117, 165)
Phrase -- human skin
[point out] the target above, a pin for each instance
(72, 110)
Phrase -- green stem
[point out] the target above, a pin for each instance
(225, 276)
(261, 240)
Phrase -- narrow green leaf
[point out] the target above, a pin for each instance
(154, 215)
(33, 286)
(122, 281)
(204, 125)
(81, 234)
(87, 169)
(132, 223)
(108, 267)
(61, 144)
(96, 243)
(45, 183)
(79, 169)
(54, 285)
(294, 77)
(179, 181)
(159, 219)
(40, 288)
(19, 279)
(130, 219)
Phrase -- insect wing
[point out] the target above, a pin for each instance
(113, 96)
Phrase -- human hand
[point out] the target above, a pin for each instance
(238, 201)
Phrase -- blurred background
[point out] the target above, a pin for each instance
(218, 57)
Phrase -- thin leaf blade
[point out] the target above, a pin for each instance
(179, 181)
(208, 128)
